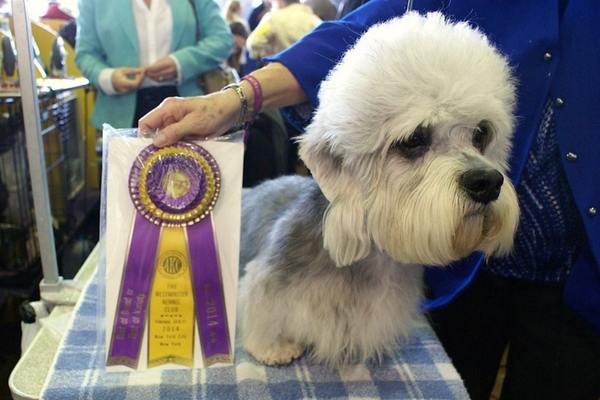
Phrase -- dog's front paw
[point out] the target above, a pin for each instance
(283, 352)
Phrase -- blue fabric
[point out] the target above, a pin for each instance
(419, 370)
(550, 230)
(581, 292)
(523, 31)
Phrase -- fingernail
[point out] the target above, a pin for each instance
(160, 140)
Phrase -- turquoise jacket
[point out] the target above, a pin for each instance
(107, 38)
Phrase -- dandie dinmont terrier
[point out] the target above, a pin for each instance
(408, 150)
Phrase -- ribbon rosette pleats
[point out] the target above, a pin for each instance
(172, 273)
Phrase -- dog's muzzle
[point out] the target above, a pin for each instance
(482, 184)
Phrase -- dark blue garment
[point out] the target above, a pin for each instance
(524, 31)
(256, 15)
(550, 230)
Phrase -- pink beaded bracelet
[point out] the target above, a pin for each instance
(257, 91)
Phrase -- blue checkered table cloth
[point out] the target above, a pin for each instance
(420, 370)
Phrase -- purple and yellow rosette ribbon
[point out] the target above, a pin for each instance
(172, 271)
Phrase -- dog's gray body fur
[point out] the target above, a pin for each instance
(334, 265)
(282, 225)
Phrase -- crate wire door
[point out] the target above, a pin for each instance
(65, 163)
(17, 228)
(56, 139)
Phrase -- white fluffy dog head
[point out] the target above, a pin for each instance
(410, 145)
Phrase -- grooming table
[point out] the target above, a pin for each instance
(420, 370)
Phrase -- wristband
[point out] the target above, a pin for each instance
(258, 96)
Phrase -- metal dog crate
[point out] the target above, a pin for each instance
(19, 249)
(65, 167)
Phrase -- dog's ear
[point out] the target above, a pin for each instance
(344, 230)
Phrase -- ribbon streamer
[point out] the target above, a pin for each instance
(210, 300)
(130, 318)
(171, 316)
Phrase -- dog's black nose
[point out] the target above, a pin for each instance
(482, 184)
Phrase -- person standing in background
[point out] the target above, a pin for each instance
(257, 13)
(238, 58)
(55, 11)
(232, 11)
(139, 52)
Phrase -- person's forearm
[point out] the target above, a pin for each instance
(279, 87)
(216, 113)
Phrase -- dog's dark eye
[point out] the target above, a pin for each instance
(482, 135)
(416, 144)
